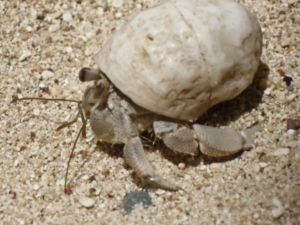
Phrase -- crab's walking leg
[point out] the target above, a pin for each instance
(215, 142)
(135, 156)
(223, 142)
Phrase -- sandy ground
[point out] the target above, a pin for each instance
(43, 44)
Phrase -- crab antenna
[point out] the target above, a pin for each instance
(83, 119)
(81, 105)
(70, 157)
(80, 113)
(66, 124)
(81, 131)
(54, 99)
(47, 99)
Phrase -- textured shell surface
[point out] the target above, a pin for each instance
(179, 58)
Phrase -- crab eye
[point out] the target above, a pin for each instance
(88, 74)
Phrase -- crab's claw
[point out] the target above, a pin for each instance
(219, 142)
(135, 156)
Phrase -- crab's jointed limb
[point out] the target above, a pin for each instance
(135, 156)
(116, 119)
(216, 142)
(219, 142)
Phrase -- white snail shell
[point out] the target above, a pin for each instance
(181, 57)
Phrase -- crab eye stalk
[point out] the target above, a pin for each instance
(101, 89)
(97, 94)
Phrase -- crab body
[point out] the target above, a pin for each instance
(163, 69)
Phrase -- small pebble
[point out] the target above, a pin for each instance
(29, 29)
(118, 15)
(270, 126)
(86, 202)
(256, 216)
(16, 163)
(291, 132)
(90, 34)
(100, 11)
(117, 3)
(281, 18)
(160, 192)
(110, 106)
(54, 27)
(68, 140)
(133, 198)
(257, 178)
(26, 54)
(94, 191)
(202, 167)
(256, 168)
(46, 74)
(36, 187)
(182, 192)
(216, 166)
(36, 112)
(279, 210)
(105, 5)
(68, 49)
(56, 15)
(291, 97)
(293, 123)
(57, 208)
(181, 166)
(285, 42)
(42, 85)
(291, 1)
(269, 90)
(67, 17)
(85, 177)
(281, 151)
(263, 164)
(292, 144)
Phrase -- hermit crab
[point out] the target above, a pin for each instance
(163, 69)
